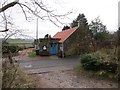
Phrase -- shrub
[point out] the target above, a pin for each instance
(20, 48)
(9, 47)
(89, 62)
(110, 67)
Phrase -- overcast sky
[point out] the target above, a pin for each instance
(107, 10)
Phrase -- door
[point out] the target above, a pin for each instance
(53, 49)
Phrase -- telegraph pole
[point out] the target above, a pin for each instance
(37, 29)
(37, 40)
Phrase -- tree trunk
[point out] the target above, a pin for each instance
(10, 57)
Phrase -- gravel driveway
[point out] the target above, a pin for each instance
(69, 79)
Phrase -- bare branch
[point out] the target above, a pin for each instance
(23, 11)
(38, 9)
(8, 6)
(42, 7)
(5, 20)
(31, 11)
(4, 30)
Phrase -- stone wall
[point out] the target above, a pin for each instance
(79, 42)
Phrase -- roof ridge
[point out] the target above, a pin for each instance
(65, 34)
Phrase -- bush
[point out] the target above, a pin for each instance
(9, 47)
(110, 67)
(13, 48)
(90, 62)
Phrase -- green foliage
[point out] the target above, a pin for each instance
(81, 19)
(89, 62)
(98, 30)
(83, 41)
(110, 67)
(106, 55)
(14, 41)
(100, 36)
(22, 42)
(101, 74)
(74, 23)
(32, 54)
(93, 62)
(65, 28)
(9, 47)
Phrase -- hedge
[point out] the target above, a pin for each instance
(8, 47)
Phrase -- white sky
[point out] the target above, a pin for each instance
(107, 10)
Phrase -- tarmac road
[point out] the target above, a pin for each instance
(47, 64)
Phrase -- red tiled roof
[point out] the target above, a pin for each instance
(63, 35)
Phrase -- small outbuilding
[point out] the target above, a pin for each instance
(72, 41)
(47, 46)
(66, 40)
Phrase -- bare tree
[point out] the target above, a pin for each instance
(37, 8)
(8, 23)
(28, 7)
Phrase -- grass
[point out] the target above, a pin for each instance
(22, 41)
(32, 54)
(94, 74)
(19, 41)
(80, 71)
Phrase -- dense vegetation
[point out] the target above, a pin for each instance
(100, 64)
(97, 62)
(11, 45)
(13, 77)
(98, 48)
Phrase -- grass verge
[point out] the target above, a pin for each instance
(95, 74)
(32, 54)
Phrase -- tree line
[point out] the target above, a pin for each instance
(97, 30)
